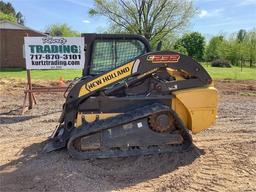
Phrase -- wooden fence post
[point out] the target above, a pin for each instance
(30, 96)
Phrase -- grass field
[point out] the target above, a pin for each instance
(216, 73)
(41, 74)
(231, 73)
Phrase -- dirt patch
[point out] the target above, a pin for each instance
(223, 158)
(237, 87)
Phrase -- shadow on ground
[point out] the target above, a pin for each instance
(15, 119)
(56, 171)
(12, 116)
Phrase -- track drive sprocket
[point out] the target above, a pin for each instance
(162, 122)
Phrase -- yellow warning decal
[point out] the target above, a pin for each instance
(106, 79)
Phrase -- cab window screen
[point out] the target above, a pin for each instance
(110, 54)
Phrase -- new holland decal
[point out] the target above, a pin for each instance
(164, 58)
(106, 79)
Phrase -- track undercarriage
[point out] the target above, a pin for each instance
(130, 134)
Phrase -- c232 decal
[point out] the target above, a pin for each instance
(164, 58)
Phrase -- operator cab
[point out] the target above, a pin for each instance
(105, 52)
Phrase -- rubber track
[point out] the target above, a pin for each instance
(130, 116)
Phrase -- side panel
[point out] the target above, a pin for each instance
(104, 107)
(196, 107)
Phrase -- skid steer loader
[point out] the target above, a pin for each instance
(133, 101)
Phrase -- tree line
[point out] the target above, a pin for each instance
(238, 48)
(160, 20)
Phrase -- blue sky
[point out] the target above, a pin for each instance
(214, 16)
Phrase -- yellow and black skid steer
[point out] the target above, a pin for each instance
(133, 101)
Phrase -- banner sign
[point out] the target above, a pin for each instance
(54, 52)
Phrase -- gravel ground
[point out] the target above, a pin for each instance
(223, 158)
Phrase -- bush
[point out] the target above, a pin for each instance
(221, 63)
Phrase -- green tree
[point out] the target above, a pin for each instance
(168, 42)
(241, 35)
(20, 18)
(229, 50)
(240, 39)
(211, 51)
(240, 48)
(150, 18)
(250, 47)
(7, 8)
(8, 17)
(62, 30)
(193, 43)
(7, 12)
(179, 48)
